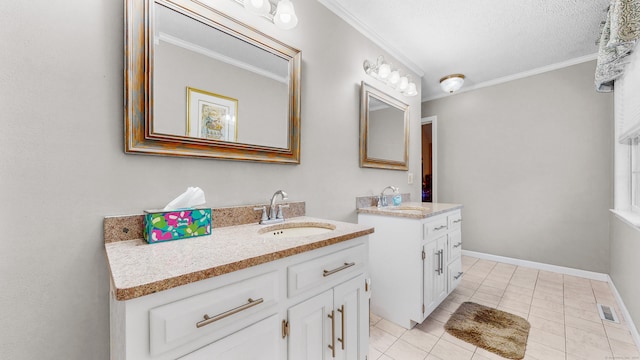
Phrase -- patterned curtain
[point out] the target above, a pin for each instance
(619, 35)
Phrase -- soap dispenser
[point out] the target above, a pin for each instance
(397, 198)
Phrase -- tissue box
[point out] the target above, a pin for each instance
(176, 224)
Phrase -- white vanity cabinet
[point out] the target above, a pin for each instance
(415, 262)
(273, 311)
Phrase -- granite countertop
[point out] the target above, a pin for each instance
(139, 269)
(412, 210)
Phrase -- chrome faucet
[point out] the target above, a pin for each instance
(382, 200)
(272, 208)
(275, 212)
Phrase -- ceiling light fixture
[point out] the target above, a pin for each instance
(280, 12)
(382, 71)
(451, 83)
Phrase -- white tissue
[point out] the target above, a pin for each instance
(194, 196)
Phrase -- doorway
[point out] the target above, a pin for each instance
(429, 158)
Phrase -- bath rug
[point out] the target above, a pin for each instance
(494, 330)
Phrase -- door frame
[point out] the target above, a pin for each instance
(433, 120)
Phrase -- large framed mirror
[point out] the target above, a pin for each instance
(199, 83)
(384, 130)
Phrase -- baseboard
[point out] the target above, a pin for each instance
(625, 313)
(568, 271)
(540, 266)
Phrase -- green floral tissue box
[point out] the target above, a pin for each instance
(176, 224)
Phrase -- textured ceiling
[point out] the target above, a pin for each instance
(484, 39)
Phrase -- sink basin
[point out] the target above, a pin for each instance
(287, 230)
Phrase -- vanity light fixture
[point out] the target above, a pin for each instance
(451, 83)
(382, 71)
(258, 7)
(280, 12)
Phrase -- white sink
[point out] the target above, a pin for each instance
(287, 230)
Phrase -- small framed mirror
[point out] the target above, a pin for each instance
(199, 83)
(384, 130)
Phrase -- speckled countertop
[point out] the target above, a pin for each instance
(413, 210)
(139, 269)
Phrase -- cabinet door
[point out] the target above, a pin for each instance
(258, 341)
(352, 316)
(430, 263)
(440, 277)
(310, 328)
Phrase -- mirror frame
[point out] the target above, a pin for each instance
(138, 84)
(366, 91)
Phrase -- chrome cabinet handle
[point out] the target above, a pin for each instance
(440, 227)
(208, 319)
(457, 245)
(341, 310)
(439, 268)
(331, 272)
(458, 276)
(333, 334)
(441, 262)
(457, 221)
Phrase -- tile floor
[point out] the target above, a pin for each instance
(561, 309)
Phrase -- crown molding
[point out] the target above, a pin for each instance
(372, 35)
(217, 56)
(524, 74)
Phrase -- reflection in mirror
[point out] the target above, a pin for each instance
(216, 69)
(384, 130)
(217, 88)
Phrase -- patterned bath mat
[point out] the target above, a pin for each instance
(493, 330)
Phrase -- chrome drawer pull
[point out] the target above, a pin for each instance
(458, 276)
(457, 245)
(440, 227)
(457, 221)
(331, 272)
(208, 320)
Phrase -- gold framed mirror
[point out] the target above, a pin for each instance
(384, 130)
(199, 83)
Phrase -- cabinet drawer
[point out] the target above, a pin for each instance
(455, 274)
(454, 245)
(258, 341)
(454, 221)
(435, 228)
(325, 269)
(227, 309)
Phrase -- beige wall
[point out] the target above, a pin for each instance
(531, 162)
(63, 168)
(625, 267)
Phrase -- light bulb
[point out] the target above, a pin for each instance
(394, 77)
(384, 71)
(285, 17)
(259, 7)
(404, 83)
(411, 89)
